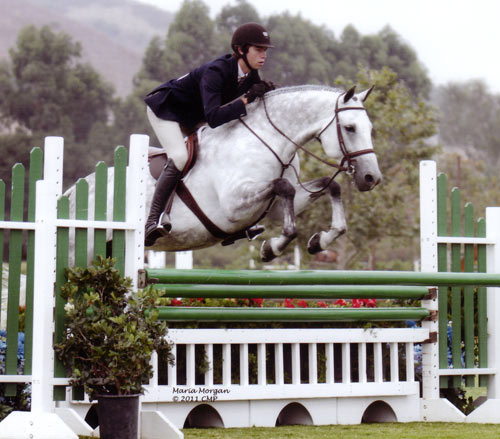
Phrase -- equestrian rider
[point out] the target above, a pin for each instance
(216, 93)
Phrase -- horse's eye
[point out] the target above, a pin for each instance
(350, 128)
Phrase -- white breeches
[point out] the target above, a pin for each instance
(170, 135)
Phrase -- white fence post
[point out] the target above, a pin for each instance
(433, 407)
(428, 256)
(493, 299)
(136, 205)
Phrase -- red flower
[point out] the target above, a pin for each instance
(302, 303)
(371, 303)
(340, 302)
(322, 304)
(289, 304)
(258, 302)
(176, 302)
(357, 303)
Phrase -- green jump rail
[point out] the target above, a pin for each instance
(294, 291)
(315, 277)
(202, 314)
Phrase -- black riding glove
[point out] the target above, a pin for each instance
(269, 85)
(256, 91)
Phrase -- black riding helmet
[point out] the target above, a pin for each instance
(249, 34)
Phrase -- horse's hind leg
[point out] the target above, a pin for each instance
(275, 246)
(321, 240)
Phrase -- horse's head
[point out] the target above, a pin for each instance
(347, 137)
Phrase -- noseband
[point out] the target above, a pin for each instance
(348, 157)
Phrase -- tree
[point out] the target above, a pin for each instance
(46, 91)
(231, 17)
(190, 42)
(303, 53)
(470, 118)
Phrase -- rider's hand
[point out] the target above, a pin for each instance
(268, 85)
(256, 91)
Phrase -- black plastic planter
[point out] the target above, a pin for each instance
(118, 416)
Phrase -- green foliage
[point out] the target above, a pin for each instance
(190, 42)
(47, 91)
(51, 91)
(230, 17)
(111, 333)
(402, 126)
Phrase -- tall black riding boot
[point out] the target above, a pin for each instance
(164, 186)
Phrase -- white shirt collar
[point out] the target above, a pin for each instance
(241, 74)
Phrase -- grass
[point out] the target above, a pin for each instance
(372, 431)
(413, 430)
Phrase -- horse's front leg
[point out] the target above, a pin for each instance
(321, 240)
(282, 188)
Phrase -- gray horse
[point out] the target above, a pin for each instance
(249, 167)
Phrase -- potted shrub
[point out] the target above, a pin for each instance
(111, 333)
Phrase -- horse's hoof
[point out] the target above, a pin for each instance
(314, 246)
(266, 252)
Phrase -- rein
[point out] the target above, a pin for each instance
(348, 157)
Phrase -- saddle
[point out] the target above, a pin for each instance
(157, 158)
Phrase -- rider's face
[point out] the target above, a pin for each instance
(256, 56)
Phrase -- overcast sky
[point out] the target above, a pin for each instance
(456, 40)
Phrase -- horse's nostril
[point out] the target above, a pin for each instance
(369, 178)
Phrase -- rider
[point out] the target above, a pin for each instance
(216, 93)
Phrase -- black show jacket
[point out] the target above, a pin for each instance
(208, 93)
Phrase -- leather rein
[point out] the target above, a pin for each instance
(348, 157)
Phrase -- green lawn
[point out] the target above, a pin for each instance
(414, 430)
(372, 431)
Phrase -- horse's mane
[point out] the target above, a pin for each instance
(299, 88)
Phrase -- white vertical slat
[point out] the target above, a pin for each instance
(184, 260)
(154, 364)
(226, 364)
(209, 356)
(44, 279)
(244, 364)
(47, 193)
(330, 363)
(362, 362)
(279, 369)
(190, 365)
(428, 258)
(377, 361)
(493, 300)
(394, 362)
(410, 362)
(172, 369)
(296, 363)
(313, 363)
(261, 364)
(137, 174)
(53, 162)
(346, 363)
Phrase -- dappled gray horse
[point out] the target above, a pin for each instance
(247, 169)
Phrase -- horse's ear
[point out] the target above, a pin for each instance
(364, 94)
(349, 94)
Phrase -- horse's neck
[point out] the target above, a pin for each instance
(299, 114)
